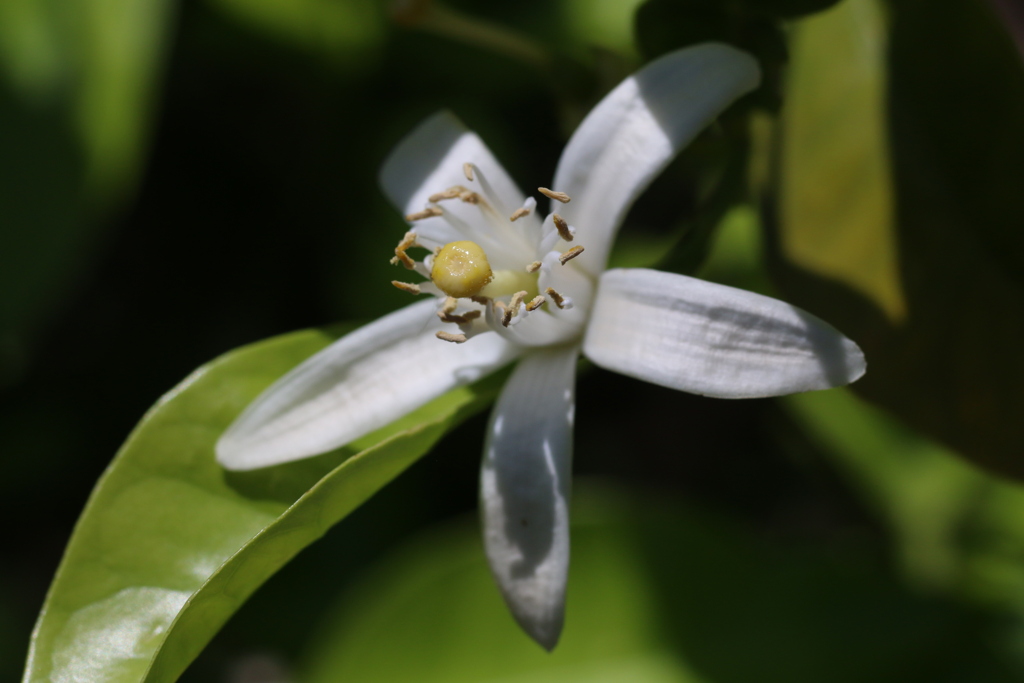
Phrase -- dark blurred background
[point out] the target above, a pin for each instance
(179, 179)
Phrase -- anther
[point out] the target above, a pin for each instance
(467, 170)
(535, 303)
(552, 194)
(408, 242)
(533, 267)
(449, 337)
(406, 286)
(560, 301)
(428, 212)
(450, 193)
(464, 319)
(564, 231)
(513, 308)
(519, 213)
(570, 255)
(470, 197)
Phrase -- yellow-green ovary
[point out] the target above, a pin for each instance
(461, 269)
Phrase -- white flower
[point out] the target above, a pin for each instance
(536, 299)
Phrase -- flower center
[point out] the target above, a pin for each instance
(461, 269)
(502, 269)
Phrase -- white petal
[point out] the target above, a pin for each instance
(359, 383)
(524, 490)
(636, 130)
(714, 340)
(430, 160)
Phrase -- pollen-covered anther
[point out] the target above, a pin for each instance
(513, 308)
(570, 255)
(407, 286)
(519, 213)
(447, 313)
(533, 267)
(535, 303)
(562, 302)
(451, 193)
(464, 319)
(471, 197)
(408, 242)
(449, 337)
(553, 194)
(467, 170)
(428, 212)
(564, 231)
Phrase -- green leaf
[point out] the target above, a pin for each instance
(658, 592)
(836, 194)
(170, 544)
(77, 84)
(956, 529)
(951, 152)
(346, 34)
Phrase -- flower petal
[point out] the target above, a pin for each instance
(359, 383)
(524, 490)
(431, 159)
(714, 340)
(634, 132)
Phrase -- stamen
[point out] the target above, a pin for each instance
(482, 300)
(406, 286)
(552, 194)
(428, 212)
(570, 255)
(451, 193)
(564, 231)
(535, 303)
(467, 170)
(519, 213)
(513, 308)
(471, 197)
(562, 302)
(533, 267)
(449, 306)
(408, 242)
(525, 210)
(449, 337)
(464, 319)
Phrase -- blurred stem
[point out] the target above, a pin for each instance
(434, 17)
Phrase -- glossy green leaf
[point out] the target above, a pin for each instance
(170, 544)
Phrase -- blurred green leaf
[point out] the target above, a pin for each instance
(950, 367)
(431, 612)
(170, 544)
(787, 9)
(77, 81)
(657, 592)
(956, 528)
(835, 185)
(923, 492)
(344, 33)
